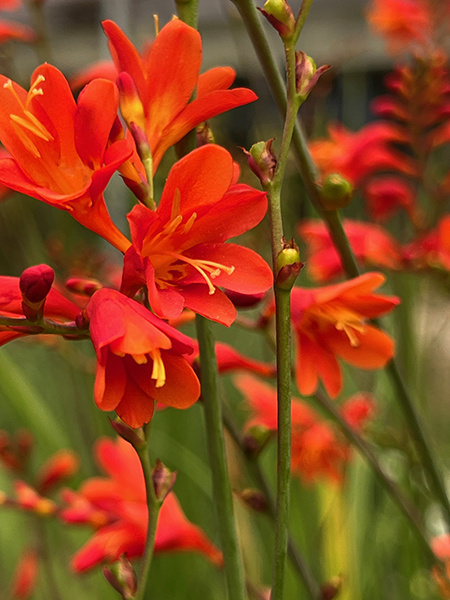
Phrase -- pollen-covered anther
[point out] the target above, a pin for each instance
(158, 372)
(140, 359)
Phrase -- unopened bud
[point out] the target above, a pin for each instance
(204, 135)
(122, 578)
(134, 436)
(255, 499)
(331, 589)
(60, 466)
(280, 16)
(336, 192)
(82, 320)
(288, 266)
(35, 284)
(163, 480)
(306, 74)
(262, 160)
(255, 440)
(130, 103)
(85, 287)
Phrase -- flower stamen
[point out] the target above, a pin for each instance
(158, 371)
(206, 268)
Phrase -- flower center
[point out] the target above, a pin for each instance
(27, 123)
(342, 318)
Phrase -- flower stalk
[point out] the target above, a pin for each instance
(188, 11)
(154, 506)
(223, 500)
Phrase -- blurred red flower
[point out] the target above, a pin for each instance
(178, 250)
(166, 78)
(15, 31)
(116, 507)
(25, 576)
(138, 359)
(372, 246)
(331, 323)
(317, 449)
(60, 149)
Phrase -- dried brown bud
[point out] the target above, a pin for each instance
(280, 16)
(163, 480)
(255, 499)
(262, 160)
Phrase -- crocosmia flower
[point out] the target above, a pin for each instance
(138, 359)
(166, 79)
(179, 251)
(317, 449)
(60, 149)
(330, 323)
(372, 246)
(116, 507)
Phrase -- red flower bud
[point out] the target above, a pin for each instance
(85, 287)
(35, 284)
(280, 16)
(262, 160)
(59, 467)
(163, 480)
(306, 74)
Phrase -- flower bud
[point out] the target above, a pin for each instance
(288, 266)
(331, 589)
(134, 436)
(163, 480)
(25, 576)
(59, 467)
(280, 16)
(256, 439)
(255, 499)
(262, 160)
(122, 578)
(130, 103)
(204, 135)
(306, 74)
(336, 192)
(35, 283)
(85, 287)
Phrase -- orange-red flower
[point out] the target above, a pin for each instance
(116, 507)
(166, 79)
(60, 149)
(25, 576)
(404, 23)
(15, 31)
(179, 251)
(372, 246)
(138, 359)
(317, 449)
(431, 250)
(330, 323)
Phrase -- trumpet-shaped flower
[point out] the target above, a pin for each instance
(116, 507)
(179, 251)
(166, 79)
(60, 149)
(330, 323)
(138, 359)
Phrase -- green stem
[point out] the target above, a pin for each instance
(21, 324)
(188, 11)
(408, 509)
(39, 23)
(153, 511)
(300, 21)
(295, 555)
(223, 500)
(309, 175)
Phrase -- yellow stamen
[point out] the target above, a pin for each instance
(175, 204)
(156, 20)
(343, 319)
(140, 359)
(189, 223)
(118, 353)
(204, 267)
(158, 372)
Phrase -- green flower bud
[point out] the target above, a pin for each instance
(336, 192)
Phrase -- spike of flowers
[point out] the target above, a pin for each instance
(179, 251)
(139, 359)
(60, 149)
(116, 507)
(166, 79)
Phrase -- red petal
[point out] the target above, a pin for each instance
(216, 307)
(136, 407)
(375, 349)
(219, 78)
(110, 381)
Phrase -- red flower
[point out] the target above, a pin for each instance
(25, 576)
(116, 507)
(317, 450)
(138, 359)
(179, 251)
(60, 149)
(431, 250)
(404, 23)
(371, 244)
(15, 31)
(166, 79)
(229, 359)
(356, 155)
(330, 323)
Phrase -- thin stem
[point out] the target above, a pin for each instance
(223, 500)
(408, 509)
(153, 511)
(295, 555)
(188, 11)
(300, 21)
(39, 22)
(23, 325)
